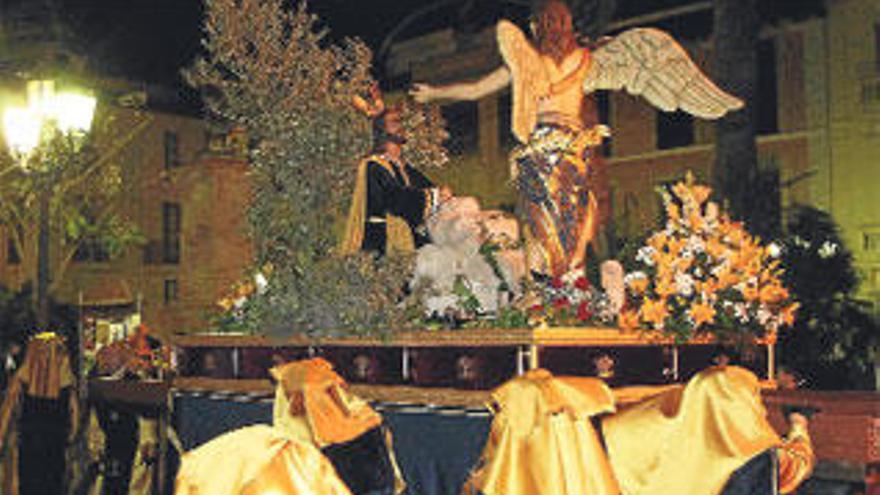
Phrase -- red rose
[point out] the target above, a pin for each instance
(537, 308)
(556, 283)
(584, 312)
(582, 283)
(562, 302)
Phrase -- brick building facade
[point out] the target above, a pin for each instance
(186, 191)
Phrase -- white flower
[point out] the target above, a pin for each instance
(261, 282)
(828, 249)
(764, 315)
(695, 244)
(741, 312)
(645, 255)
(632, 276)
(684, 284)
(801, 242)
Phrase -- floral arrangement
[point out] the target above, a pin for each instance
(704, 273)
(570, 300)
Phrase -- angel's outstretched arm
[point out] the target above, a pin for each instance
(474, 90)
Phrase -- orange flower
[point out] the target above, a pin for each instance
(638, 285)
(628, 320)
(715, 248)
(673, 212)
(701, 313)
(701, 193)
(664, 287)
(772, 293)
(789, 312)
(709, 287)
(654, 312)
(695, 220)
(658, 241)
(750, 293)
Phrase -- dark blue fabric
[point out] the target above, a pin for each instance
(435, 451)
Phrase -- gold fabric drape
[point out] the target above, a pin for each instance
(313, 409)
(333, 415)
(678, 440)
(542, 439)
(255, 461)
(688, 440)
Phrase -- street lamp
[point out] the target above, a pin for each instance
(46, 115)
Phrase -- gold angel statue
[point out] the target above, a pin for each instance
(557, 156)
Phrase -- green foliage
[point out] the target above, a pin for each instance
(357, 295)
(272, 71)
(83, 178)
(834, 337)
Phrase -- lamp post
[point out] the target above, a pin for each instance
(47, 115)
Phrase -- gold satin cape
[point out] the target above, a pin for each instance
(398, 234)
(688, 440)
(542, 439)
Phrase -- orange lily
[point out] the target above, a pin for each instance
(701, 313)
(628, 320)
(789, 312)
(654, 311)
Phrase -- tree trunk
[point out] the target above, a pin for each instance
(735, 175)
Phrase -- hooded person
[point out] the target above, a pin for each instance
(566, 436)
(323, 441)
(38, 417)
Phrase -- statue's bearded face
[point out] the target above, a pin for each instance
(553, 30)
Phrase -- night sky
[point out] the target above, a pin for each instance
(152, 39)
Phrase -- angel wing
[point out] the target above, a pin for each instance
(529, 77)
(649, 62)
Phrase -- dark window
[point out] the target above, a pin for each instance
(461, 123)
(172, 158)
(766, 118)
(505, 133)
(91, 250)
(171, 232)
(171, 293)
(13, 257)
(674, 130)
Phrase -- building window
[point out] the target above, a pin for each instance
(766, 111)
(871, 242)
(13, 257)
(461, 123)
(674, 130)
(171, 287)
(91, 250)
(172, 156)
(171, 232)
